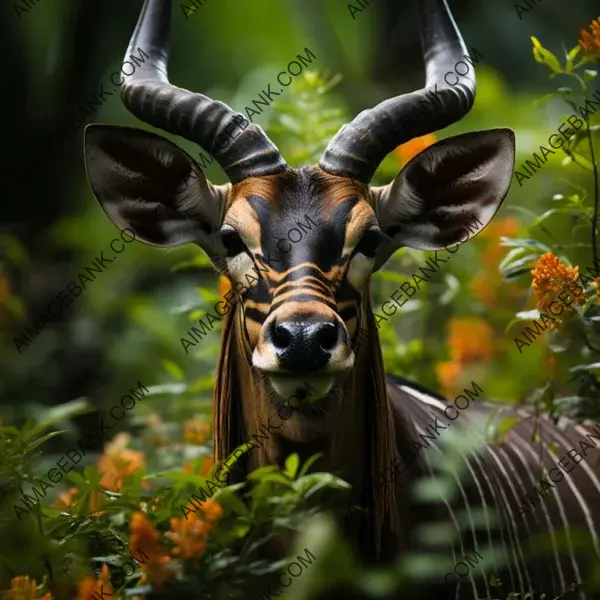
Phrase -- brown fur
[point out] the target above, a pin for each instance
(265, 187)
(364, 444)
(339, 189)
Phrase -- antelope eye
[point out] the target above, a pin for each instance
(232, 242)
(369, 243)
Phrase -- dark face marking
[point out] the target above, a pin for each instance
(291, 236)
(302, 312)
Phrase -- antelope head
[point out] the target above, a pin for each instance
(295, 328)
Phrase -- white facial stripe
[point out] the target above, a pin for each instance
(239, 265)
(359, 269)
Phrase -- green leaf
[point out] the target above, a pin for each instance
(502, 428)
(522, 316)
(292, 462)
(390, 276)
(435, 534)
(77, 478)
(523, 210)
(513, 262)
(453, 288)
(584, 162)
(308, 464)
(544, 56)
(173, 369)
(434, 490)
(228, 497)
(513, 273)
(566, 404)
(167, 388)
(12, 250)
(185, 477)
(560, 92)
(65, 411)
(591, 367)
(43, 439)
(312, 483)
(528, 314)
(573, 53)
(555, 211)
(530, 243)
(7, 430)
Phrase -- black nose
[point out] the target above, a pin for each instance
(304, 346)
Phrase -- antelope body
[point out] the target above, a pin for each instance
(300, 322)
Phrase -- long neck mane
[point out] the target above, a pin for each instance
(359, 447)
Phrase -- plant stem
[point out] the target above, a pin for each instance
(46, 558)
(594, 169)
(595, 217)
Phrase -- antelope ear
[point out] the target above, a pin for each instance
(146, 183)
(451, 188)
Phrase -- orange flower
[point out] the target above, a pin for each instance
(90, 588)
(22, 588)
(66, 499)
(212, 510)
(151, 506)
(154, 420)
(550, 278)
(95, 501)
(596, 284)
(153, 434)
(207, 464)
(196, 431)
(492, 257)
(448, 373)
(224, 285)
(144, 537)
(485, 288)
(470, 340)
(118, 462)
(488, 286)
(144, 534)
(508, 227)
(189, 534)
(590, 42)
(407, 151)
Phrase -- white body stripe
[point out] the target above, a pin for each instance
(497, 480)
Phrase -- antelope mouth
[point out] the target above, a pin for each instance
(297, 390)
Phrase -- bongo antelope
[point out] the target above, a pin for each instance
(299, 323)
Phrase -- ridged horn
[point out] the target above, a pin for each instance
(359, 147)
(148, 94)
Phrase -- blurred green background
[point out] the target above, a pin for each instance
(126, 327)
(123, 327)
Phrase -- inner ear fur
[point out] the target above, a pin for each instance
(454, 185)
(146, 183)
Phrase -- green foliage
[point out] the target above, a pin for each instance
(171, 466)
(308, 119)
(577, 340)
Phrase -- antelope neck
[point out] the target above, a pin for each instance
(356, 438)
